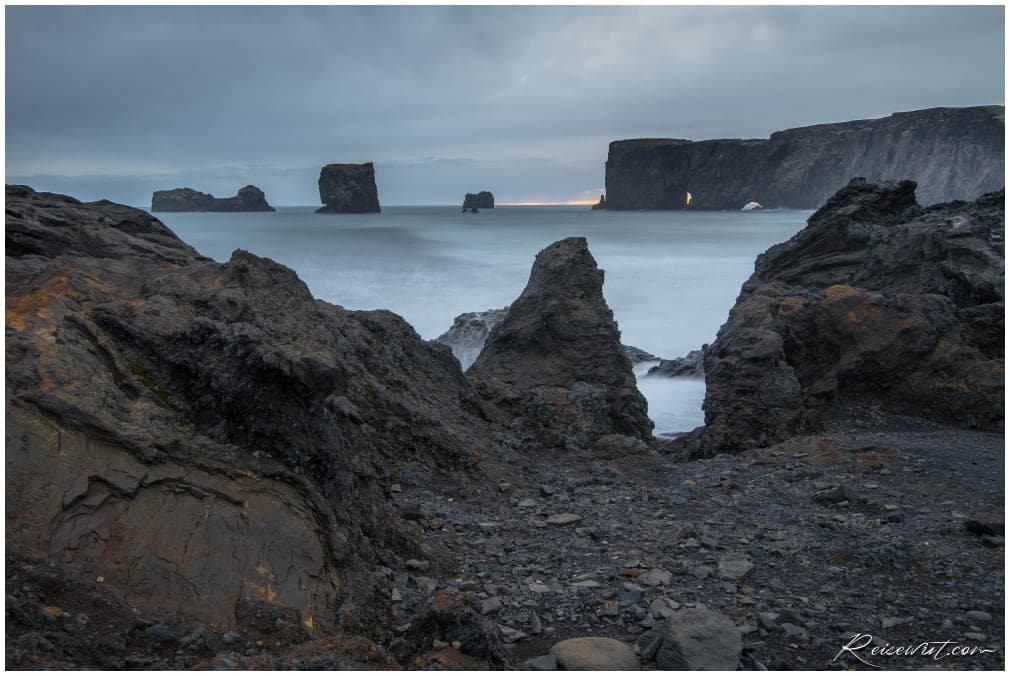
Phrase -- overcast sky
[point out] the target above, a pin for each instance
(117, 102)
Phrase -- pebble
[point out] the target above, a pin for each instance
(655, 577)
(702, 572)
(978, 616)
(490, 605)
(734, 566)
(563, 519)
(414, 564)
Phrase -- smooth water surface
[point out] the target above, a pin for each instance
(671, 276)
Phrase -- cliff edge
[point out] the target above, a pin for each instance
(952, 153)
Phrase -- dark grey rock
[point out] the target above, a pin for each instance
(348, 189)
(953, 153)
(248, 198)
(690, 366)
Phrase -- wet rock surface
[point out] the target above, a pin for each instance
(348, 189)
(878, 302)
(248, 198)
(469, 332)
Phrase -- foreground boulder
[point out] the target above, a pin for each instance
(348, 189)
(556, 360)
(693, 639)
(878, 302)
(202, 440)
(249, 198)
(482, 200)
(594, 652)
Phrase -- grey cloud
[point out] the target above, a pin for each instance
(530, 96)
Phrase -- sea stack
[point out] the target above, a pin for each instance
(482, 200)
(602, 204)
(556, 360)
(348, 189)
(249, 198)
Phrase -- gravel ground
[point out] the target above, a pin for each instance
(803, 545)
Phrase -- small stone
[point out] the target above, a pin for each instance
(839, 493)
(505, 487)
(891, 508)
(975, 636)
(547, 491)
(527, 502)
(793, 631)
(585, 584)
(978, 616)
(414, 564)
(734, 566)
(395, 595)
(702, 572)
(563, 519)
(687, 532)
(655, 577)
(490, 605)
(509, 634)
(395, 488)
(538, 588)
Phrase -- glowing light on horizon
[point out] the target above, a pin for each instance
(566, 203)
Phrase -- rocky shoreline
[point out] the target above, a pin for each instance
(249, 477)
(248, 198)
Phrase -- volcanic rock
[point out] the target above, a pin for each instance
(249, 198)
(208, 437)
(602, 204)
(348, 189)
(878, 302)
(556, 360)
(694, 639)
(953, 153)
(482, 200)
(691, 365)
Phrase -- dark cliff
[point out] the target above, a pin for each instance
(249, 198)
(348, 189)
(952, 153)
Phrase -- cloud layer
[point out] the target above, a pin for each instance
(116, 102)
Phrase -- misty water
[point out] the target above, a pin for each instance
(671, 277)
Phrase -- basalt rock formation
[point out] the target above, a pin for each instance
(953, 153)
(249, 198)
(602, 204)
(482, 200)
(556, 360)
(348, 189)
(878, 303)
(202, 441)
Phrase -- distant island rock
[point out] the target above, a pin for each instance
(482, 200)
(348, 189)
(952, 153)
(249, 198)
(602, 204)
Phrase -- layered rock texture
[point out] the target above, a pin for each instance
(249, 198)
(953, 153)
(348, 189)
(878, 303)
(556, 360)
(206, 439)
(474, 201)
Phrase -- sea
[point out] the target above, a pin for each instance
(671, 277)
